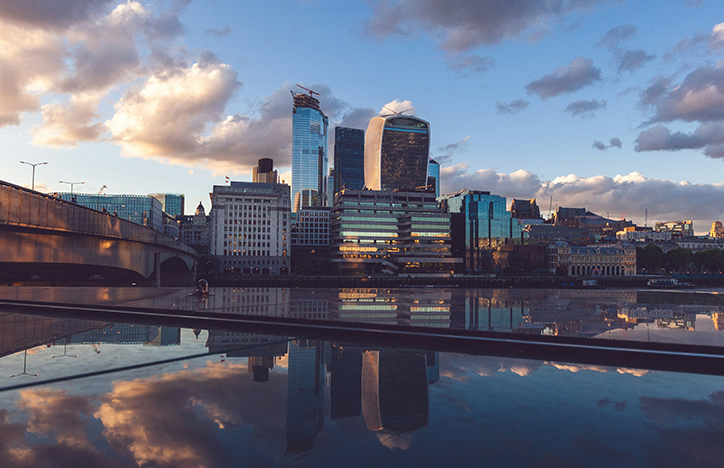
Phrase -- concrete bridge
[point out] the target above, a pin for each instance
(44, 237)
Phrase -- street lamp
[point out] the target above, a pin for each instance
(71, 185)
(33, 164)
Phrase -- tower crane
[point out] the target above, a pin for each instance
(103, 189)
(311, 93)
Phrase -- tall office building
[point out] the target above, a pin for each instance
(349, 159)
(171, 203)
(309, 152)
(264, 172)
(433, 176)
(397, 151)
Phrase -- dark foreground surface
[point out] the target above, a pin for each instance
(360, 377)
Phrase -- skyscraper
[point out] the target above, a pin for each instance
(264, 172)
(309, 151)
(397, 151)
(349, 159)
(433, 176)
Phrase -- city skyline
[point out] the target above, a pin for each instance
(613, 106)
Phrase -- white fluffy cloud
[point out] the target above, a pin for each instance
(632, 193)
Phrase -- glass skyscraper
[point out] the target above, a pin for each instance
(171, 203)
(397, 151)
(433, 176)
(349, 159)
(309, 152)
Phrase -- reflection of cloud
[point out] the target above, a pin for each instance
(56, 411)
(461, 367)
(394, 441)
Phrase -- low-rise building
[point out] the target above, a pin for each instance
(140, 209)
(685, 228)
(592, 260)
(194, 230)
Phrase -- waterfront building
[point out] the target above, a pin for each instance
(250, 228)
(140, 209)
(397, 151)
(310, 240)
(592, 260)
(696, 244)
(433, 176)
(264, 172)
(392, 232)
(349, 159)
(480, 223)
(685, 228)
(194, 230)
(171, 203)
(717, 230)
(309, 152)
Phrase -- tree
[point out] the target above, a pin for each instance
(650, 259)
(678, 259)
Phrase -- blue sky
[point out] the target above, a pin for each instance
(613, 105)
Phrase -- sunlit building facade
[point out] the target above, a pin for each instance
(397, 151)
(309, 152)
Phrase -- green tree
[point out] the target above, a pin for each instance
(678, 260)
(650, 259)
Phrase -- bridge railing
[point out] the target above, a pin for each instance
(27, 208)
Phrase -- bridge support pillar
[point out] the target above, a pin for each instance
(157, 269)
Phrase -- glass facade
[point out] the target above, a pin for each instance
(433, 176)
(139, 209)
(309, 150)
(349, 158)
(396, 153)
(171, 203)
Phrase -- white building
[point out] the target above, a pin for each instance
(593, 260)
(250, 228)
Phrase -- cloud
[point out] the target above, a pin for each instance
(218, 32)
(469, 64)
(50, 14)
(579, 73)
(630, 60)
(613, 143)
(466, 24)
(512, 107)
(444, 155)
(398, 106)
(66, 125)
(617, 35)
(585, 108)
(359, 117)
(664, 199)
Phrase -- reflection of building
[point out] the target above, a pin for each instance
(252, 346)
(309, 152)
(395, 390)
(492, 313)
(250, 228)
(305, 394)
(346, 381)
(349, 159)
(194, 230)
(396, 153)
(592, 260)
(139, 209)
(480, 223)
(718, 319)
(390, 232)
(125, 333)
(171, 203)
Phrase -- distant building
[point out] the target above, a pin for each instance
(392, 232)
(397, 151)
(309, 152)
(171, 203)
(547, 233)
(524, 209)
(264, 172)
(640, 234)
(250, 230)
(349, 159)
(697, 245)
(310, 239)
(480, 223)
(717, 230)
(592, 260)
(194, 230)
(330, 188)
(591, 222)
(433, 176)
(140, 209)
(565, 216)
(686, 228)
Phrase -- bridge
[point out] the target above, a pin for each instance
(45, 238)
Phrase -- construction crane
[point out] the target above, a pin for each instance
(96, 348)
(103, 189)
(397, 113)
(311, 93)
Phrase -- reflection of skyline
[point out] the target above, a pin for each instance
(305, 394)
(261, 350)
(127, 334)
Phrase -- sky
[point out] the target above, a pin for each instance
(615, 106)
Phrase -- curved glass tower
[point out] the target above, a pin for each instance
(309, 149)
(397, 151)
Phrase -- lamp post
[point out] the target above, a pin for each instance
(25, 367)
(33, 164)
(71, 186)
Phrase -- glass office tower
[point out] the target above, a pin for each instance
(397, 151)
(349, 159)
(433, 176)
(171, 203)
(309, 151)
